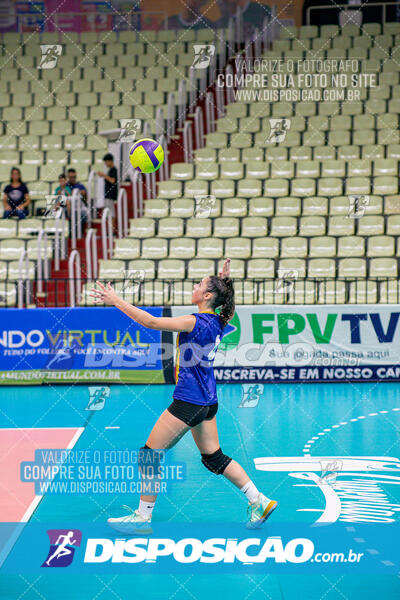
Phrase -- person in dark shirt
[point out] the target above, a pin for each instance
(15, 196)
(73, 184)
(370, 14)
(253, 14)
(110, 185)
(191, 17)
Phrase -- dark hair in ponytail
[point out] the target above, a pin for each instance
(223, 296)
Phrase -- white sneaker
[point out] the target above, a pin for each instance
(132, 524)
(259, 511)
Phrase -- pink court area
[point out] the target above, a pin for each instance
(17, 499)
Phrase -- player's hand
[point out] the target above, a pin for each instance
(100, 173)
(105, 295)
(226, 269)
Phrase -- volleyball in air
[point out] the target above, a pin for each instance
(146, 155)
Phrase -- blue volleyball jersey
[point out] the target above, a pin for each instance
(195, 353)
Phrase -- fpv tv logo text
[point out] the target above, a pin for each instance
(63, 543)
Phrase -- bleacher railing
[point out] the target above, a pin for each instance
(24, 282)
(188, 141)
(74, 279)
(164, 169)
(351, 290)
(76, 217)
(137, 193)
(209, 108)
(171, 116)
(182, 96)
(91, 194)
(107, 238)
(42, 259)
(122, 213)
(60, 244)
(91, 254)
(199, 127)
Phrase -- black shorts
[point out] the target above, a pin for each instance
(192, 414)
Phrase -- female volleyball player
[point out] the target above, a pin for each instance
(195, 402)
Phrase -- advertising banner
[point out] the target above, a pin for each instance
(203, 14)
(309, 343)
(61, 345)
(8, 18)
(64, 17)
(32, 15)
(261, 344)
(204, 548)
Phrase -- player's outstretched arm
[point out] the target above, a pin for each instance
(226, 269)
(107, 295)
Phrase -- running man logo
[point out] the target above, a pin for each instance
(286, 279)
(50, 55)
(129, 129)
(132, 280)
(278, 130)
(61, 354)
(251, 394)
(98, 396)
(204, 205)
(54, 205)
(353, 494)
(357, 206)
(63, 543)
(203, 54)
(329, 471)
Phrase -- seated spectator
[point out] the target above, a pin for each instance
(62, 191)
(252, 14)
(110, 185)
(15, 196)
(74, 184)
(191, 16)
(63, 188)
